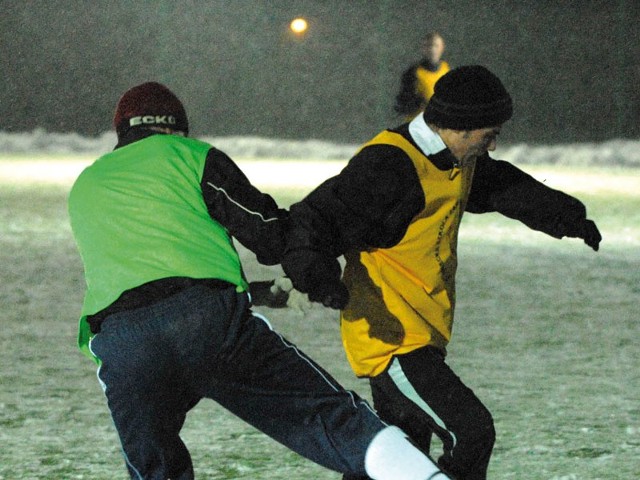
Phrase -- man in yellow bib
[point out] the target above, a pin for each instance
(418, 81)
(394, 213)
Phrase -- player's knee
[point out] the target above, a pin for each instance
(481, 432)
(484, 427)
(487, 430)
(487, 436)
(470, 454)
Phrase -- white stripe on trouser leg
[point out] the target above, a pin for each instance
(390, 456)
(134, 470)
(404, 385)
(102, 384)
(335, 387)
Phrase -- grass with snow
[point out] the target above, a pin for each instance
(546, 334)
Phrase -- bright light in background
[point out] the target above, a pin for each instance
(298, 25)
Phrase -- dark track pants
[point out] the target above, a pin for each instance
(159, 361)
(421, 394)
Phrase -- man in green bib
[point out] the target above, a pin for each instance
(167, 313)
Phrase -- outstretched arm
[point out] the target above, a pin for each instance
(499, 186)
(252, 217)
(369, 204)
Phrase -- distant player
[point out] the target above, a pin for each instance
(394, 212)
(167, 315)
(418, 81)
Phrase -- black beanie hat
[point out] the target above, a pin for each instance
(150, 104)
(469, 98)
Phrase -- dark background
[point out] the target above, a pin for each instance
(573, 67)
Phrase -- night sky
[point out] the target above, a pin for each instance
(572, 67)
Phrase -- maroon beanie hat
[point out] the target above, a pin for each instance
(468, 98)
(150, 104)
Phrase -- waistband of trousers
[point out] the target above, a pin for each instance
(150, 293)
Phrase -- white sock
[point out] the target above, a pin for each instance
(390, 456)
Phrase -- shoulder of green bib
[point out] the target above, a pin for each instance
(191, 142)
(198, 150)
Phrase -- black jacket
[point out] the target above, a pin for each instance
(408, 100)
(372, 202)
(250, 216)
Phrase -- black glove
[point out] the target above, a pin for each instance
(330, 294)
(582, 228)
(590, 234)
(317, 275)
(263, 294)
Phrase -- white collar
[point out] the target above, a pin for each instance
(428, 140)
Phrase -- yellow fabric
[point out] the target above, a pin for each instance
(425, 83)
(402, 298)
(426, 80)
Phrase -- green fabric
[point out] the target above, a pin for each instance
(138, 215)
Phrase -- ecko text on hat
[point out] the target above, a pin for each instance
(152, 120)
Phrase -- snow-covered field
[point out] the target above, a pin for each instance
(614, 153)
(546, 331)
